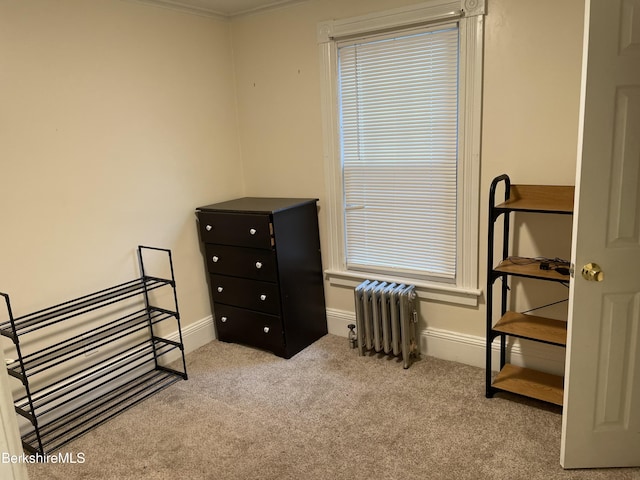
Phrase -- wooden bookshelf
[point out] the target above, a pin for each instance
(530, 383)
(532, 327)
(534, 199)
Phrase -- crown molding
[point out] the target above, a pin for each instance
(181, 7)
(187, 7)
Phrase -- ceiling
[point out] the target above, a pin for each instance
(225, 8)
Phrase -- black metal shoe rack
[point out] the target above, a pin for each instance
(66, 389)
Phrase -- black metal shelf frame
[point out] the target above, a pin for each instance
(492, 276)
(61, 409)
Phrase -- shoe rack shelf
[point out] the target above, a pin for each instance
(107, 356)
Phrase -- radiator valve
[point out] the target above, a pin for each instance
(352, 335)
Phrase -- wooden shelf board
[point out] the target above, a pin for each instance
(540, 198)
(531, 270)
(533, 327)
(530, 383)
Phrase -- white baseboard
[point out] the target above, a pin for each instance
(194, 336)
(468, 349)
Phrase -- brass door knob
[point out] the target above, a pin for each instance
(592, 272)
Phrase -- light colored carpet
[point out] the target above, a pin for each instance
(324, 414)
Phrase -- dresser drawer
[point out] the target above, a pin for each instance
(254, 263)
(242, 292)
(243, 230)
(248, 327)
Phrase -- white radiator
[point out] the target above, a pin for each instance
(386, 319)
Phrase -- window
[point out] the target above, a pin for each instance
(401, 97)
(398, 105)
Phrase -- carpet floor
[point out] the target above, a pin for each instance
(326, 413)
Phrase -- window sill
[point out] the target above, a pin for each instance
(426, 291)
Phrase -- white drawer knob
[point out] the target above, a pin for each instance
(223, 319)
(208, 228)
(266, 329)
(220, 289)
(252, 231)
(215, 259)
(263, 297)
(258, 264)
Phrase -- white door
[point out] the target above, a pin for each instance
(601, 418)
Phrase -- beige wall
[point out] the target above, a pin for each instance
(531, 93)
(117, 120)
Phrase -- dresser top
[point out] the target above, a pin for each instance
(257, 205)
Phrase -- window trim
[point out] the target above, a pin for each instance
(470, 16)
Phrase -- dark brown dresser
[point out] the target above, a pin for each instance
(265, 272)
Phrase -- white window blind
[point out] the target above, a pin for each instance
(399, 148)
